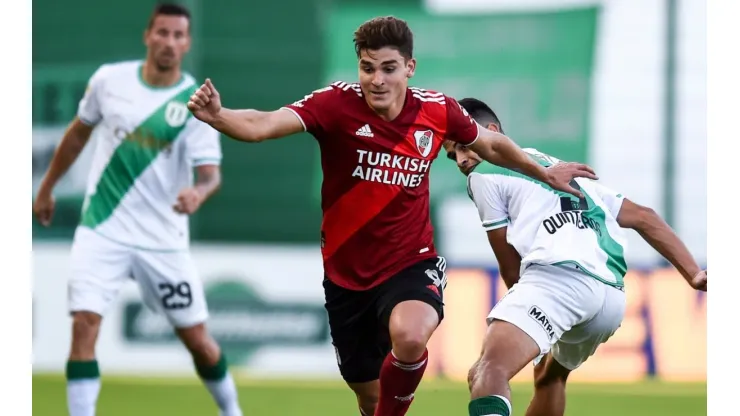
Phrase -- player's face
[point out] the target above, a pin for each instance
(465, 158)
(384, 77)
(167, 41)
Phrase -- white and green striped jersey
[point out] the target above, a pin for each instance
(146, 145)
(551, 227)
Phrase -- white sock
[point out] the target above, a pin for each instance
(224, 393)
(82, 395)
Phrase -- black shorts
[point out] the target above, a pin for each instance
(358, 320)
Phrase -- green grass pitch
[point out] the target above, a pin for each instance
(126, 396)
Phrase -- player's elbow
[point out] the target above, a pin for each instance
(255, 138)
(635, 216)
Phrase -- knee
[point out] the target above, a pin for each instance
(409, 344)
(85, 327)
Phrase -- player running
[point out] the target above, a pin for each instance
(135, 215)
(383, 278)
(566, 293)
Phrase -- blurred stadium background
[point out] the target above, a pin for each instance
(619, 84)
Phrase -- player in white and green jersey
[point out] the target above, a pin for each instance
(563, 259)
(140, 192)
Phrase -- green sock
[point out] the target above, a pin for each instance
(215, 373)
(80, 370)
(489, 406)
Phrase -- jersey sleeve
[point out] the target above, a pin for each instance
(487, 197)
(461, 128)
(612, 199)
(203, 144)
(88, 110)
(316, 110)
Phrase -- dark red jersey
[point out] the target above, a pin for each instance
(375, 191)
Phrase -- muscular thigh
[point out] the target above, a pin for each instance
(423, 281)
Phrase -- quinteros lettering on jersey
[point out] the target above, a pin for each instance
(575, 218)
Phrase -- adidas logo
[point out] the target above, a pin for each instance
(365, 131)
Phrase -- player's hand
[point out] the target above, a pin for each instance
(699, 282)
(205, 103)
(562, 174)
(43, 208)
(188, 201)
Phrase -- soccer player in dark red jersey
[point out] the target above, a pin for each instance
(383, 278)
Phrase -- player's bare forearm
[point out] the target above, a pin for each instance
(243, 125)
(256, 126)
(208, 180)
(660, 236)
(500, 150)
(509, 260)
(73, 142)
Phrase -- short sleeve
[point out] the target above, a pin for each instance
(461, 128)
(316, 110)
(612, 199)
(487, 197)
(88, 110)
(203, 144)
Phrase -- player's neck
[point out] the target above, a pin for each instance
(156, 78)
(394, 111)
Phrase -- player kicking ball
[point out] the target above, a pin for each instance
(563, 259)
(135, 216)
(384, 281)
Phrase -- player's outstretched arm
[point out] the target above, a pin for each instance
(661, 237)
(69, 149)
(500, 150)
(244, 125)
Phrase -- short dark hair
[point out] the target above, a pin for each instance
(387, 31)
(481, 112)
(168, 9)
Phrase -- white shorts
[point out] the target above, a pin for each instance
(563, 310)
(168, 281)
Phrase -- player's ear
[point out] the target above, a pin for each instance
(188, 43)
(494, 127)
(410, 67)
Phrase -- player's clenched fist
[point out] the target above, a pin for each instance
(205, 103)
(188, 201)
(699, 282)
(43, 208)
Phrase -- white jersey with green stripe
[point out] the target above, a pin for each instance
(546, 226)
(146, 146)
